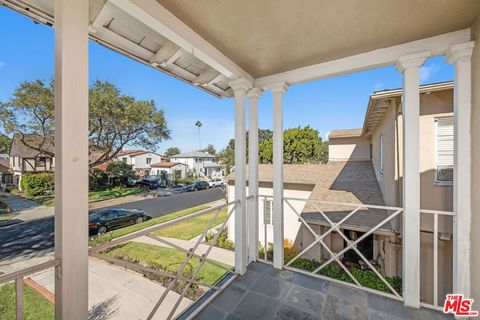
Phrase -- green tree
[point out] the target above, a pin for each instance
(171, 152)
(116, 119)
(118, 172)
(5, 143)
(227, 158)
(210, 150)
(323, 152)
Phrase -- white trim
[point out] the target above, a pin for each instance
(437, 45)
(155, 16)
(435, 180)
(381, 154)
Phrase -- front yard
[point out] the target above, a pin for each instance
(37, 307)
(97, 195)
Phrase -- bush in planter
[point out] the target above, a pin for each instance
(38, 184)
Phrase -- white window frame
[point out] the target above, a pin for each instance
(381, 154)
(435, 175)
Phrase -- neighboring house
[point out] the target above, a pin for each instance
(140, 160)
(365, 167)
(24, 158)
(214, 170)
(174, 170)
(196, 161)
(6, 174)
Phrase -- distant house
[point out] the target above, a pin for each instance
(6, 174)
(140, 160)
(174, 170)
(197, 162)
(25, 158)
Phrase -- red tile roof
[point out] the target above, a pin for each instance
(165, 164)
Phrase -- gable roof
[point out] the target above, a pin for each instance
(166, 164)
(5, 166)
(337, 181)
(135, 152)
(23, 150)
(193, 154)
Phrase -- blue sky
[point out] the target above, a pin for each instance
(26, 53)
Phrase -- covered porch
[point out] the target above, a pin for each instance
(171, 37)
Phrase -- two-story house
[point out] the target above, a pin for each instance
(140, 160)
(199, 163)
(32, 155)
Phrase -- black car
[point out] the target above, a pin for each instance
(104, 220)
(197, 185)
(150, 184)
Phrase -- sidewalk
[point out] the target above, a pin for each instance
(217, 254)
(25, 210)
(117, 294)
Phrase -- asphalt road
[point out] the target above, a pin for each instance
(28, 240)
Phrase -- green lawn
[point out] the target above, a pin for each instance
(3, 208)
(193, 227)
(36, 306)
(6, 217)
(124, 231)
(167, 259)
(94, 195)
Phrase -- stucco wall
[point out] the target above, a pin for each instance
(353, 149)
(475, 235)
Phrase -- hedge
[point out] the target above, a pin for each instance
(38, 184)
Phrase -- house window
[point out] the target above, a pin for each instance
(381, 154)
(444, 150)
(40, 162)
(124, 159)
(149, 160)
(267, 212)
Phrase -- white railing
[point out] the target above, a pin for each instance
(390, 213)
(436, 234)
(177, 277)
(19, 277)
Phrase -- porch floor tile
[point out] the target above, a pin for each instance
(267, 293)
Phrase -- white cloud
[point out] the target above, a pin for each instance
(379, 86)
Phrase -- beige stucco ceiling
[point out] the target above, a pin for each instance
(270, 36)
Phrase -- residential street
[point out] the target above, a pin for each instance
(33, 239)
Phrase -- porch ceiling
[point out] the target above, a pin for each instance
(266, 37)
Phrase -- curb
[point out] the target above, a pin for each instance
(40, 289)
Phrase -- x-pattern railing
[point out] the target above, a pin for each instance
(351, 245)
(177, 276)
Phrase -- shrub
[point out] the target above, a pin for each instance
(38, 184)
(97, 178)
(222, 240)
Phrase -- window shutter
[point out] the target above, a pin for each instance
(444, 141)
(267, 212)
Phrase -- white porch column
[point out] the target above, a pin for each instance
(410, 67)
(253, 96)
(460, 55)
(71, 152)
(240, 88)
(278, 90)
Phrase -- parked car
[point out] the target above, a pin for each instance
(104, 220)
(217, 182)
(148, 183)
(197, 185)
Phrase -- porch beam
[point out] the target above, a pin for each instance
(409, 66)
(71, 151)
(154, 15)
(253, 96)
(438, 45)
(240, 88)
(278, 90)
(460, 56)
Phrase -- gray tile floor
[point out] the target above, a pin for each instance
(267, 293)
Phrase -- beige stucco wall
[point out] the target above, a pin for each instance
(475, 224)
(352, 149)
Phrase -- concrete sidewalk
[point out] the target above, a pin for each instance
(118, 294)
(24, 210)
(217, 254)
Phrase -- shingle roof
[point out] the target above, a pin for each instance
(193, 154)
(337, 181)
(5, 166)
(25, 151)
(166, 164)
(345, 133)
(133, 153)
